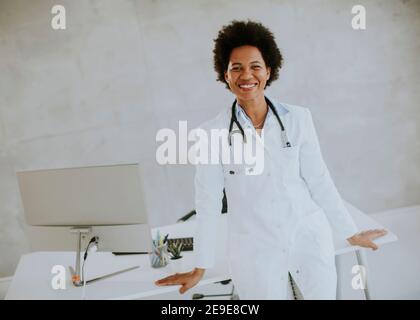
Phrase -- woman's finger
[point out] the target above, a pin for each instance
(184, 288)
(172, 279)
(380, 233)
(376, 233)
(373, 245)
(168, 282)
(165, 279)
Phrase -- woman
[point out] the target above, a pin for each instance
(282, 220)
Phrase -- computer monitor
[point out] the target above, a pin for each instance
(105, 201)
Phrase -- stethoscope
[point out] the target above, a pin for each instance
(233, 119)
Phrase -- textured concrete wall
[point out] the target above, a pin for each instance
(97, 92)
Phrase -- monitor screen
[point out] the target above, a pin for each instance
(107, 199)
(84, 196)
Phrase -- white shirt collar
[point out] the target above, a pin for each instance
(241, 114)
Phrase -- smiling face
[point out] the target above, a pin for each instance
(247, 73)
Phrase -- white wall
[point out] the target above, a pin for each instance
(97, 92)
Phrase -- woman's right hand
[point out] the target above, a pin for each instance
(187, 279)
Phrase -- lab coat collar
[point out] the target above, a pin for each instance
(280, 108)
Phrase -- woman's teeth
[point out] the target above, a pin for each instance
(247, 86)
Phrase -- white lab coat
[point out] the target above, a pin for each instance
(279, 221)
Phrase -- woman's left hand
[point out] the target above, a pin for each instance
(365, 238)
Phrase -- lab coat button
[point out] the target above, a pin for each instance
(297, 271)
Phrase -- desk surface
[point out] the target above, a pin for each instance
(33, 276)
(364, 222)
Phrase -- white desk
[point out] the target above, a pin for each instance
(32, 279)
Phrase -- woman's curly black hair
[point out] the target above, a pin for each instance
(241, 33)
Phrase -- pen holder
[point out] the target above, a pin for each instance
(159, 257)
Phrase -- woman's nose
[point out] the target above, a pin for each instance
(246, 74)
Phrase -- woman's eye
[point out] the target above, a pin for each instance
(235, 69)
(256, 67)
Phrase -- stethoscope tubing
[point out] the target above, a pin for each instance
(234, 120)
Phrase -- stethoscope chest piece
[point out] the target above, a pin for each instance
(285, 140)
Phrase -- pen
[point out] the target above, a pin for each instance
(158, 238)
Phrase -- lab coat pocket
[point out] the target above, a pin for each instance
(233, 170)
(234, 176)
(290, 150)
(234, 180)
(321, 235)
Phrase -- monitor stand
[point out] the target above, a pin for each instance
(75, 272)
